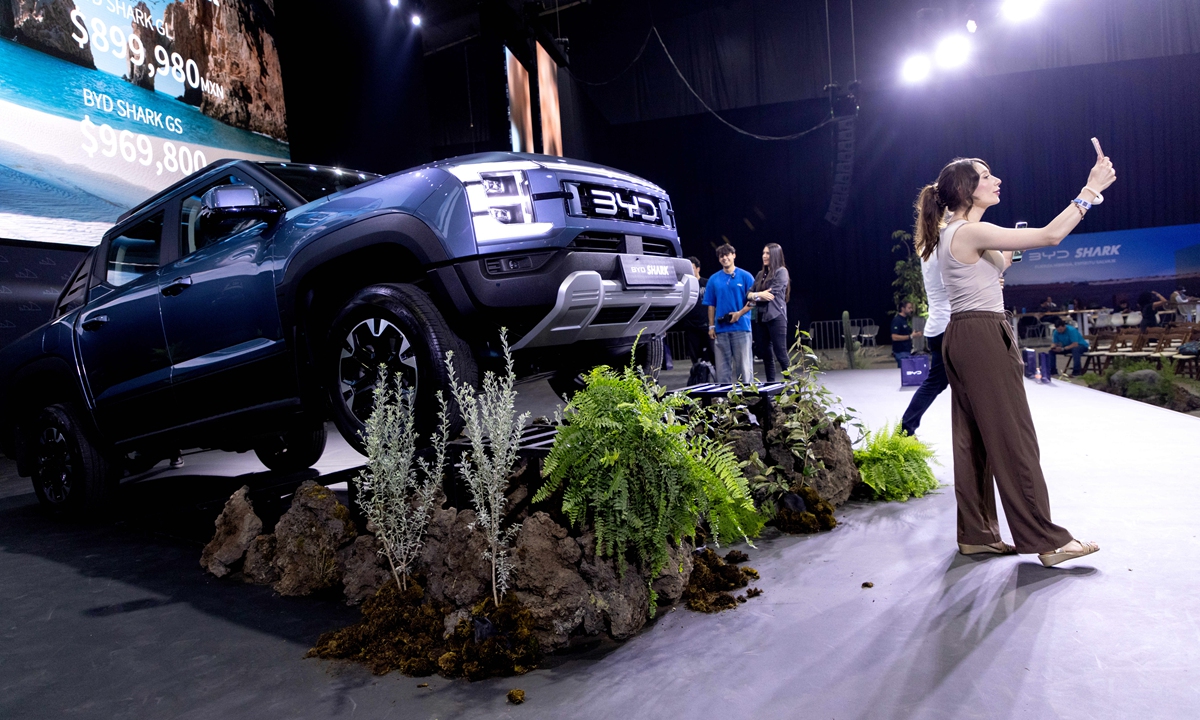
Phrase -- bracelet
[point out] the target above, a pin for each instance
(1082, 205)
(1099, 198)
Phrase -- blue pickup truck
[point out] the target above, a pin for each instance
(247, 304)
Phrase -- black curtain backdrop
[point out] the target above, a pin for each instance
(353, 77)
(1033, 128)
(746, 53)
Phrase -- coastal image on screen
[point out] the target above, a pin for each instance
(105, 102)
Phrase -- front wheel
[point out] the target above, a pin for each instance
(70, 472)
(396, 327)
(296, 449)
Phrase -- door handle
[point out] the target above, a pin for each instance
(177, 286)
(95, 323)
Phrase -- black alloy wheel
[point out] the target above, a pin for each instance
(70, 474)
(297, 448)
(396, 327)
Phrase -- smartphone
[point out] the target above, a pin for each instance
(1017, 253)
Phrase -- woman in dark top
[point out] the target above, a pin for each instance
(771, 291)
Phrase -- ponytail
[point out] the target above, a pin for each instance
(954, 191)
(930, 212)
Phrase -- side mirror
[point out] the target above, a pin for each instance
(229, 206)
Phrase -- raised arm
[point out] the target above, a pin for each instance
(974, 238)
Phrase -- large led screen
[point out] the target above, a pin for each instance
(105, 102)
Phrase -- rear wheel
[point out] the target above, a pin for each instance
(296, 449)
(70, 472)
(396, 327)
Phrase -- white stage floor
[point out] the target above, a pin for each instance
(1116, 635)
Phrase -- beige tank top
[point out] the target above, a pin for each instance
(971, 288)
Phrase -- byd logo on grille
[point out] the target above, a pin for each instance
(615, 203)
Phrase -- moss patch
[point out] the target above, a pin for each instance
(400, 631)
(712, 579)
(817, 517)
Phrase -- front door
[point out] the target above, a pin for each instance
(221, 319)
(120, 336)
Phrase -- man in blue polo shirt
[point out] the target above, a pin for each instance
(1067, 339)
(728, 324)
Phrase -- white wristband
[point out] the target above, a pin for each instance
(1099, 198)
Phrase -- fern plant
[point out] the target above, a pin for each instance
(494, 429)
(395, 493)
(895, 465)
(629, 467)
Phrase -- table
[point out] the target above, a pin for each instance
(1083, 318)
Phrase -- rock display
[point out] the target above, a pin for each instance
(237, 527)
(364, 569)
(233, 46)
(834, 482)
(452, 559)
(259, 567)
(839, 476)
(45, 25)
(307, 540)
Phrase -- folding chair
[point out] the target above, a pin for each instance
(1101, 344)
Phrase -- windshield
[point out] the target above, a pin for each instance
(314, 181)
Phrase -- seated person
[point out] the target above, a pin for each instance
(1150, 303)
(1049, 306)
(1066, 340)
(902, 333)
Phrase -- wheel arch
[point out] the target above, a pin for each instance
(37, 384)
(323, 275)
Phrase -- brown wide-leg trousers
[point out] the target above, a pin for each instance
(994, 436)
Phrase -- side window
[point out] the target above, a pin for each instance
(74, 293)
(135, 252)
(193, 233)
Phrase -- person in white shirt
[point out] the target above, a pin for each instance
(939, 315)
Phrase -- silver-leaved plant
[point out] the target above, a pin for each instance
(397, 489)
(494, 430)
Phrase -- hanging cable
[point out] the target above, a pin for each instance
(628, 67)
(828, 42)
(756, 136)
(853, 49)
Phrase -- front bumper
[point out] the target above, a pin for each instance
(590, 307)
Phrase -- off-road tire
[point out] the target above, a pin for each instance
(381, 319)
(71, 473)
(298, 448)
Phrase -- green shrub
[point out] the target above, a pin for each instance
(629, 467)
(895, 465)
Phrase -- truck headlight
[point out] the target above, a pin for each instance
(500, 200)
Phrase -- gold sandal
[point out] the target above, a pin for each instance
(997, 548)
(1070, 551)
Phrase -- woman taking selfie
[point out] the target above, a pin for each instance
(992, 427)
(770, 294)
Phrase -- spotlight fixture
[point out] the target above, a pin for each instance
(1018, 10)
(972, 26)
(394, 3)
(952, 51)
(416, 20)
(916, 69)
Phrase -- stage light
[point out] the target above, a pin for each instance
(972, 26)
(1018, 10)
(953, 51)
(916, 69)
(416, 20)
(394, 3)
